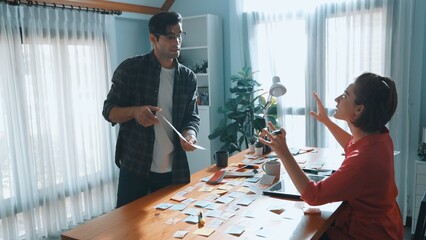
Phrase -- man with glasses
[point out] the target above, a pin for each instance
(146, 91)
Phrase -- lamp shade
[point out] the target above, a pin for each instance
(277, 89)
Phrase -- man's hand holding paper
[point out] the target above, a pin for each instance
(189, 142)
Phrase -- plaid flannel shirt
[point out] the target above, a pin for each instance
(135, 83)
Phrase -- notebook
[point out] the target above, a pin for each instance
(286, 189)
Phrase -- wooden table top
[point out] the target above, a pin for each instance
(141, 220)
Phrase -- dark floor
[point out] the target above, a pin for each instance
(407, 233)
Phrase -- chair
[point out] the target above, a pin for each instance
(419, 233)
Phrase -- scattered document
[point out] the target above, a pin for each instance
(163, 206)
(276, 209)
(214, 223)
(213, 206)
(227, 215)
(232, 208)
(253, 179)
(249, 214)
(201, 203)
(191, 211)
(178, 207)
(180, 234)
(267, 179)
(214, 213)
(245, 201)
(188, 201)
(178, 198)
(219, 191)
(235, 230)
(189, 189)
(225, 199)
(191, 219)
(265, 232)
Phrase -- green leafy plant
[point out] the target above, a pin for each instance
(253, 139)
(243, 113)
(201, 68)
(258, 145)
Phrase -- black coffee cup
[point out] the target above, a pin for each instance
(221, 158)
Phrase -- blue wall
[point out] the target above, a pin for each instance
(132, 37)
(217, 7)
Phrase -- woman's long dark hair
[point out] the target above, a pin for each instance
(380, 99)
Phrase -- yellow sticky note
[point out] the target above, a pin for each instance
(205, 231)
(178, 198)
(219, 191)
(206, 189)
(243, 189)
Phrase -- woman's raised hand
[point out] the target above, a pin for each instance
(321, 115)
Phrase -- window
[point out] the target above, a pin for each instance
(316, 49)
(56, 157)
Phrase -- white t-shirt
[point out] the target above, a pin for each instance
(163, 143)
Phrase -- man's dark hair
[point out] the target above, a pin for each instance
(159, 22)
(379, 97)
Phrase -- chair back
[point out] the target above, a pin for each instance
(419, 233)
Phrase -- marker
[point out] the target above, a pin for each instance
(276, 132)
(248, 166)
(201, 221)
(302, 151)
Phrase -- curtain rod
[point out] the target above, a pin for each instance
(61, 6)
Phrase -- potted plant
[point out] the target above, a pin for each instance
(258, 148)
(252, 142)
(243, 113)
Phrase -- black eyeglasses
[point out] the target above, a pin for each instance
(172, 36)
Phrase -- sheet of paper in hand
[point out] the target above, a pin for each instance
(179, 134)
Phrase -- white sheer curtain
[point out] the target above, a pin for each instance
(405, 69)
(322, 46)
(316, 46)
(56, 151)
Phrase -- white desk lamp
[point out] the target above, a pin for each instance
(276, 90)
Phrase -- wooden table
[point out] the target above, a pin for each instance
(140, 220)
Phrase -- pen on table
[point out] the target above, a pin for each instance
(201, 221)
(248, 166)
(302, 151)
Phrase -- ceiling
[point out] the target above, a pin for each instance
(151, 3)
(142, 6)
(150, 7)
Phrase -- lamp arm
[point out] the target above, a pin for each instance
(268, 102)
(266, 109)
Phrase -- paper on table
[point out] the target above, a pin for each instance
(179, 134)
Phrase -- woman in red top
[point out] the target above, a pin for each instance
(365, 181)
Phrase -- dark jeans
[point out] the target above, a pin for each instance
(132, 186)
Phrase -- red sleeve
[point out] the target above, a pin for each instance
(346, 183)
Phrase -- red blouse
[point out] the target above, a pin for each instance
(366, 182)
